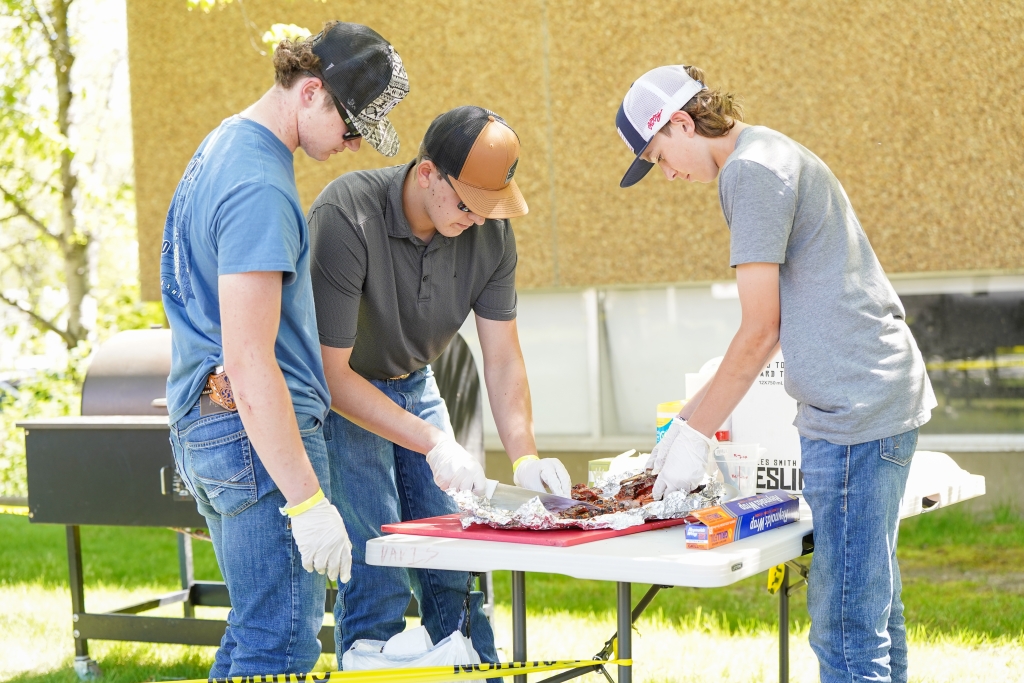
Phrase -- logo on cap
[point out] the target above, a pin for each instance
(511, 171)
(654, 119)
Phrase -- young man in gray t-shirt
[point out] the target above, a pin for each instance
(807, 279)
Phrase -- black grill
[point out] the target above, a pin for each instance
(113, 466)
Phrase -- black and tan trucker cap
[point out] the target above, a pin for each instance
(366, 76)
(479, 153)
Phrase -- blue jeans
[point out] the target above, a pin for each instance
(376, 482)
(277, 607)
(853, 594)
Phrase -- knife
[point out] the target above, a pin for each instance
(505, 497)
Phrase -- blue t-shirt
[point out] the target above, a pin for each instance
(236, 210)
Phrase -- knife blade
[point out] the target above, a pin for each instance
(505, 497)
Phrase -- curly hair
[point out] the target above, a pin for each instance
(293, 58)
(714, 112)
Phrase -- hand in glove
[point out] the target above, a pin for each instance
(320, 535)
(680, 459)
(455, 468)
(543, 475)
(656, 460)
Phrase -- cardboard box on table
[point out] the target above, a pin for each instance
(765, 417)
(741, 518)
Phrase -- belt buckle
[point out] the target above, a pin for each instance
(405, 376)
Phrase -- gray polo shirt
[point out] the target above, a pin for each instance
(395, 300)
(851, 361)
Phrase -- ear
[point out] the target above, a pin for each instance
(424, 171)
(685, 121)
(309, 90)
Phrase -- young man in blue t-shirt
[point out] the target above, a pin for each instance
(247, 396)
(807, 279)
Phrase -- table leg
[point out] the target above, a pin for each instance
(519, 621)
(625, 635)
(784, 627)
(185, 568)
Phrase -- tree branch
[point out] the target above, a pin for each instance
(22, 210)
(44, 20)
(40, 321)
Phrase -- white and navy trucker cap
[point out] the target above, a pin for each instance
(647, 107)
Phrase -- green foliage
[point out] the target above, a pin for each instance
(206, 5)
(30, 149)
(37, 242)
(49, 394)
(279, 32)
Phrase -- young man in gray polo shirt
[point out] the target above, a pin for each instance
(401, 256)
(807, 277)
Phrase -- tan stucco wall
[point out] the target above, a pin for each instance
(915, 105)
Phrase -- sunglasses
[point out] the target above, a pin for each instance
(462, 205)
(353, 133)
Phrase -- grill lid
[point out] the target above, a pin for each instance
(129, 373)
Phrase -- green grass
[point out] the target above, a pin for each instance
(131, 663)
(963, 589)
(113, 556)
(745, 606)
(962, 574)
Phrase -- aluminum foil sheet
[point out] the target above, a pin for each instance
(533, 515)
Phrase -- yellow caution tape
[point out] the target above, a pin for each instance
(775, 576)
(424, 674)
(14, 510)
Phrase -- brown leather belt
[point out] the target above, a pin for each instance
(218, 390)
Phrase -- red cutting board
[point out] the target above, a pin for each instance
(449, 526)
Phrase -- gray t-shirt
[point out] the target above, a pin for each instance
(395, 300)
(851, 361)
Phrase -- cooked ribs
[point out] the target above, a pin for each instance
(636, 487)
(634, 492)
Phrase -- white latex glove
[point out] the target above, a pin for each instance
(545, 475)
(680, 459)
(656, 460)
(455, 468)
(320, 534)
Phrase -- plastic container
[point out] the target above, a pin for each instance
(738, 465)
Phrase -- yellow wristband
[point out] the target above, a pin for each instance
(520, 461)
(297, 510)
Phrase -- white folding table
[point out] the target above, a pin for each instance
(658, 557)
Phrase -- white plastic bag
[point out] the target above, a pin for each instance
(367, 655)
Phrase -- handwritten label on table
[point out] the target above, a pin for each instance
(400, 556)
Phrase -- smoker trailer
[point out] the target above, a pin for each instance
(113, 466)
